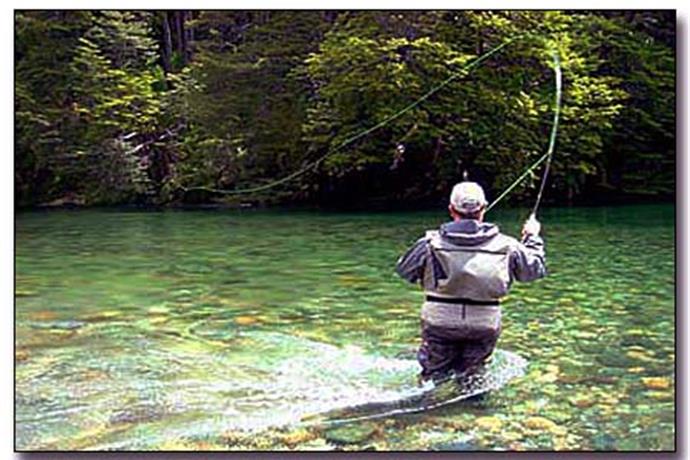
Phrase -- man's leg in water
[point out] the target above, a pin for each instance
(437, 352)
(446, 349)
(476, 350)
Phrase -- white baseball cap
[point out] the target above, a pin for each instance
(467, 197)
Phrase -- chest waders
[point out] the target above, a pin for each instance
(475, 274)
(461, 316)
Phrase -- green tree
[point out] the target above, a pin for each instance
(45, 43)
(131, 107)
(118, 93)
(246, 116)
(639, 51)
(495, 122)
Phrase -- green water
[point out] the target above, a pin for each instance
(223, 329)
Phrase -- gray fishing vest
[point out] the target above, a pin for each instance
(477, 272)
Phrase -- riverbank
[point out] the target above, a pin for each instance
(362, 206)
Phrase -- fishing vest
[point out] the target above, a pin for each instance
(477, 272)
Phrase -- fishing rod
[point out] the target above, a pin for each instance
(549, 152)
(554, 129)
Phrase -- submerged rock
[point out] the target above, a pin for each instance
(456, 446)
(43, 315)
(640, 355)
(489, 423)
(20, 356)
(94, 374)
(512, 436)
(585, 335)
(158, 320)
(317, 444)
(571, 378)
(351, 434)
(352, 280)
(656, 383)
(582, 400)
(189, 446)
(158, 310)
(661, 395)
(604, 441)
(138, 414)
(65, 325)
(300, 436)
(547, 377)
(614, 358)
(246, 320)
(103, 316)
(232, 438)
(541, 424)
(603, 379)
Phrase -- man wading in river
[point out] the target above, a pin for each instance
(465, 267)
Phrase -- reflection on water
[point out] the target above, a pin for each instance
(205, 330)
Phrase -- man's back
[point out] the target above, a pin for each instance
(467, 249)
(465, 268)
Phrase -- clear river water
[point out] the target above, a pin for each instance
(227, 329)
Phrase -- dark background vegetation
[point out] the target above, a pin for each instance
(133, 107)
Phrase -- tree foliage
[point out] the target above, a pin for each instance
(138, 107)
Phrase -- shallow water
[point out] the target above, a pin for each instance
(223, 329)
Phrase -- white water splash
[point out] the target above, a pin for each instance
(182, 388)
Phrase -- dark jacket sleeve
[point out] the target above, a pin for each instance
(410, 265)
(527, 259)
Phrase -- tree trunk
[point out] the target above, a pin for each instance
(167, 42)
(437, 149)
(480, 43)
(630, 16)
(189, 35)
(179, 19)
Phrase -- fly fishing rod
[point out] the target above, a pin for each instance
(554, 129)
(549, 152)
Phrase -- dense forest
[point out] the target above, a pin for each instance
(158, 107)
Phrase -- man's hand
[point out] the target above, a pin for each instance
(531, 227)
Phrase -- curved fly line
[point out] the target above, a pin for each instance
(552, 143)
(464, 71)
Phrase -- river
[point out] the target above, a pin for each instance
(226, 329)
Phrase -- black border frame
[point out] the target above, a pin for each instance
(680, 293)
